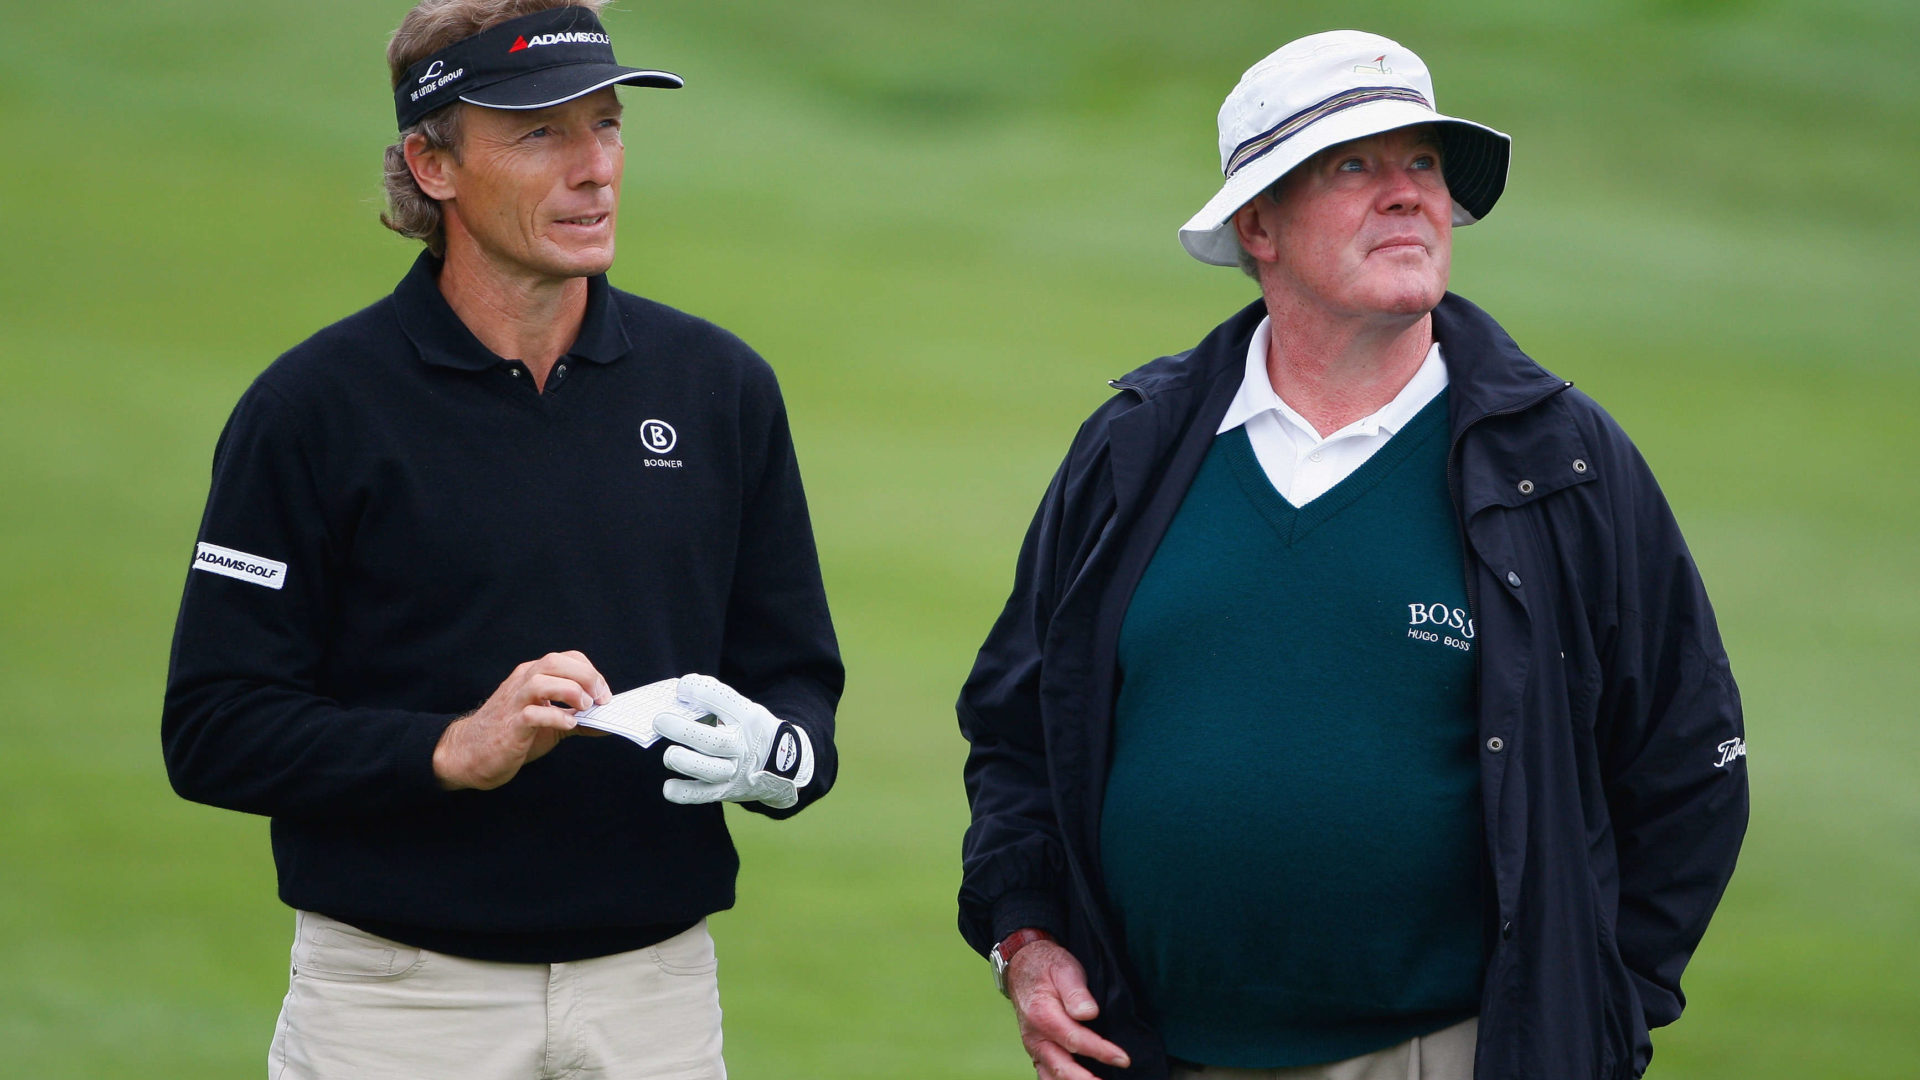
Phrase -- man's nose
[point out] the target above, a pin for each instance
(1402, 192)
(596, 162)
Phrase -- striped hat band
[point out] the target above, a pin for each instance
(1260, 145)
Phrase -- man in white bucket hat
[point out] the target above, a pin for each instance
(1358, 711)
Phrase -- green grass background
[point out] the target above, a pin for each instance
(946, 225)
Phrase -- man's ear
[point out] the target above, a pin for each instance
(1253, 228)
(430, 166)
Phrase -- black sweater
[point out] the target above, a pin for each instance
(440, 522)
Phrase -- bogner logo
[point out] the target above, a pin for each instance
(239, 565)
(583, 38)
(659, 437)
(1447, 622)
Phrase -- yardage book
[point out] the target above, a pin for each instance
(630, 714)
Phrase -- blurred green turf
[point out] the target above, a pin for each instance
(946, 225)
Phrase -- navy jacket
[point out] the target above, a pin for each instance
(1614, 789)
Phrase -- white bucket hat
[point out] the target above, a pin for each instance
(1328, 89)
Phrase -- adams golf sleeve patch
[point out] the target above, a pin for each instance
(239, 565)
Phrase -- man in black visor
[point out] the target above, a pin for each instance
(441, 528)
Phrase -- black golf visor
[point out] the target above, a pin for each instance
(531, 62)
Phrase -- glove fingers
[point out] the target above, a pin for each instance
(713, 770)
(712, 695)
(724, 741)
(776, 791)
(692, 793)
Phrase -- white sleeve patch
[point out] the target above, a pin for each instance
(238, 564)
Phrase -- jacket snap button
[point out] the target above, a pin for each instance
(1496, 744)
(1513, 579)
(1526, 487)
(514, 371)
(1579, 465)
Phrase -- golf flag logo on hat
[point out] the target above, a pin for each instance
(518, 44)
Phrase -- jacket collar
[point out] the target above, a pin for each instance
(443, 340)
(1486, 372)
(1224, 347)
(1182, 398)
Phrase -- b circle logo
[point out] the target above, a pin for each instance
(658, 435)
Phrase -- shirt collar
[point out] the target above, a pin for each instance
(442, 339)
(1256, 394)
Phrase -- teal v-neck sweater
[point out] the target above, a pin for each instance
(1291, 834)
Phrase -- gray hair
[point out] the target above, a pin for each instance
(433, 25)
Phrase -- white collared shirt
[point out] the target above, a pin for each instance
(1301, 465)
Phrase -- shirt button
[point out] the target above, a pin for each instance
(1506, 931)
(1579, 465)
(1513, 579)
(1315, 456)
(514, 371)
(561, 370)
(1526, 487)
(1496, 744)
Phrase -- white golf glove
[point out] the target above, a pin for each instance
(740, 753)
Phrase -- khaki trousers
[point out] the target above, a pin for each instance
(1446, 1054)
(361, 1007)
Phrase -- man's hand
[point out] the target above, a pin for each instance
(1050, 998)
(746, 755)
(527, 716)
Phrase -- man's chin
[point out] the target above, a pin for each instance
(590, 263)
(574, 260)
(1411, 300)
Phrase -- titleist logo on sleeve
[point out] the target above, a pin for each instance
(238, 564)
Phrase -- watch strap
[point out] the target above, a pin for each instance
(1002, 953)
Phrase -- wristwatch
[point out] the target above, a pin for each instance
(1002, 954)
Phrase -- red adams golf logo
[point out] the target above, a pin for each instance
(569, 38)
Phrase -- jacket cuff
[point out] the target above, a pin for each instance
(1026, 908)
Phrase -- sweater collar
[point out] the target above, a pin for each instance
(443, 340)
